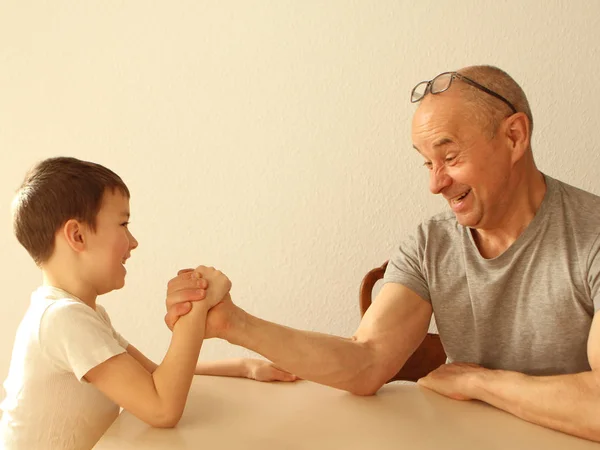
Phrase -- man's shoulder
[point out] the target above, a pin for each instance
(580, 204)
(575, 192)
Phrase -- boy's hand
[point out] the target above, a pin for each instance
(260, 370)
(219, 284)
(220, 320)
(188, 286)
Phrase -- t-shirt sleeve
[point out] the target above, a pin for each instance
(75, 337)
(120, 339)
(406, 265)
(594, 274)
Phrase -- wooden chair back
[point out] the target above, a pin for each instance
(427, 357)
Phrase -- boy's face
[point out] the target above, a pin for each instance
(110, 245)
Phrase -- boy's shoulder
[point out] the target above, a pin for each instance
(58, 312)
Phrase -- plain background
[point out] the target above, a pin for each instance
(270, 139)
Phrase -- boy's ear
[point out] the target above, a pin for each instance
(74, 233)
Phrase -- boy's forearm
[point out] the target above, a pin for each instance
(173, 377)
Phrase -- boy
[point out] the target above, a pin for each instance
(70, 370)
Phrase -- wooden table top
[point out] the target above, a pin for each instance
(232, 413)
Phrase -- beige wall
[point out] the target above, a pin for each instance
(268, 138)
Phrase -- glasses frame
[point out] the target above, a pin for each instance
(456, 75)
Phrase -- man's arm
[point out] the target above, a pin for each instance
(568, 403)
(389, 333)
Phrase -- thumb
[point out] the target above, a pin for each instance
(282, 375)
(176, 311)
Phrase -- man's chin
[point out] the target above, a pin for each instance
(467, 220)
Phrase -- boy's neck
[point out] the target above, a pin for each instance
(71, 284)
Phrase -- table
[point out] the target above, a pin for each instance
(231, 413)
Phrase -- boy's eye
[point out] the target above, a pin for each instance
(125, 224)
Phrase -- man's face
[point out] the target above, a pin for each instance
(110, 245)
(466, 165)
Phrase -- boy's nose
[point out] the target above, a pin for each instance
(133, 243)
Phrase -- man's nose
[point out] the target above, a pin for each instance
(438, 180)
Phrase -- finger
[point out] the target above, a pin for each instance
(169, 321)
(183, 296)
(186, 281)
(282, 375)
(174, 313)
(425, 382)
(186, 284)
(186, 274)
(204, 270)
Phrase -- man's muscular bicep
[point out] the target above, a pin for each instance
(593, 346)
(394, 326)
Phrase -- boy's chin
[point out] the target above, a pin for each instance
(118, 284)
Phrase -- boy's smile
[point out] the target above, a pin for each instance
(110, 246)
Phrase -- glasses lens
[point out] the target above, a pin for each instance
(441, 83)
(418, 92)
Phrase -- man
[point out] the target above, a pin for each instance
(512, 273)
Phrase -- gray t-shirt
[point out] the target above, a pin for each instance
(529, 309)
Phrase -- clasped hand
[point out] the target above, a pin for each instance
(203, 283)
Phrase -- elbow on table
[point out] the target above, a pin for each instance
(366, 386)
(364, 391)
(165, 419)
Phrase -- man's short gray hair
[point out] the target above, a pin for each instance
(489, 110)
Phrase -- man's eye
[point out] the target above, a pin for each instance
(428, 164)
(449, 159)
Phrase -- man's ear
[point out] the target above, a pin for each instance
(74, 233)
(517, 133)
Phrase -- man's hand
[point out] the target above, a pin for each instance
(455, 380)
(261, 370)
(219, 284)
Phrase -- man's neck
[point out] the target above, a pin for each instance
(69, 283)
(518, 214)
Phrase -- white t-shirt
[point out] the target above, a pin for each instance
(48, 404)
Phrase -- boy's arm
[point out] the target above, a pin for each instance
(255, 369)
(146, 363)
(189, 286)
(157, 398)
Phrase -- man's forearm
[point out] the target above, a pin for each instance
(568, 403)
(334, 361)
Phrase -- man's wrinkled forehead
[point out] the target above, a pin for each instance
(439, 111)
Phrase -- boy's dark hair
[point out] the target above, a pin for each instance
(54, 191)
